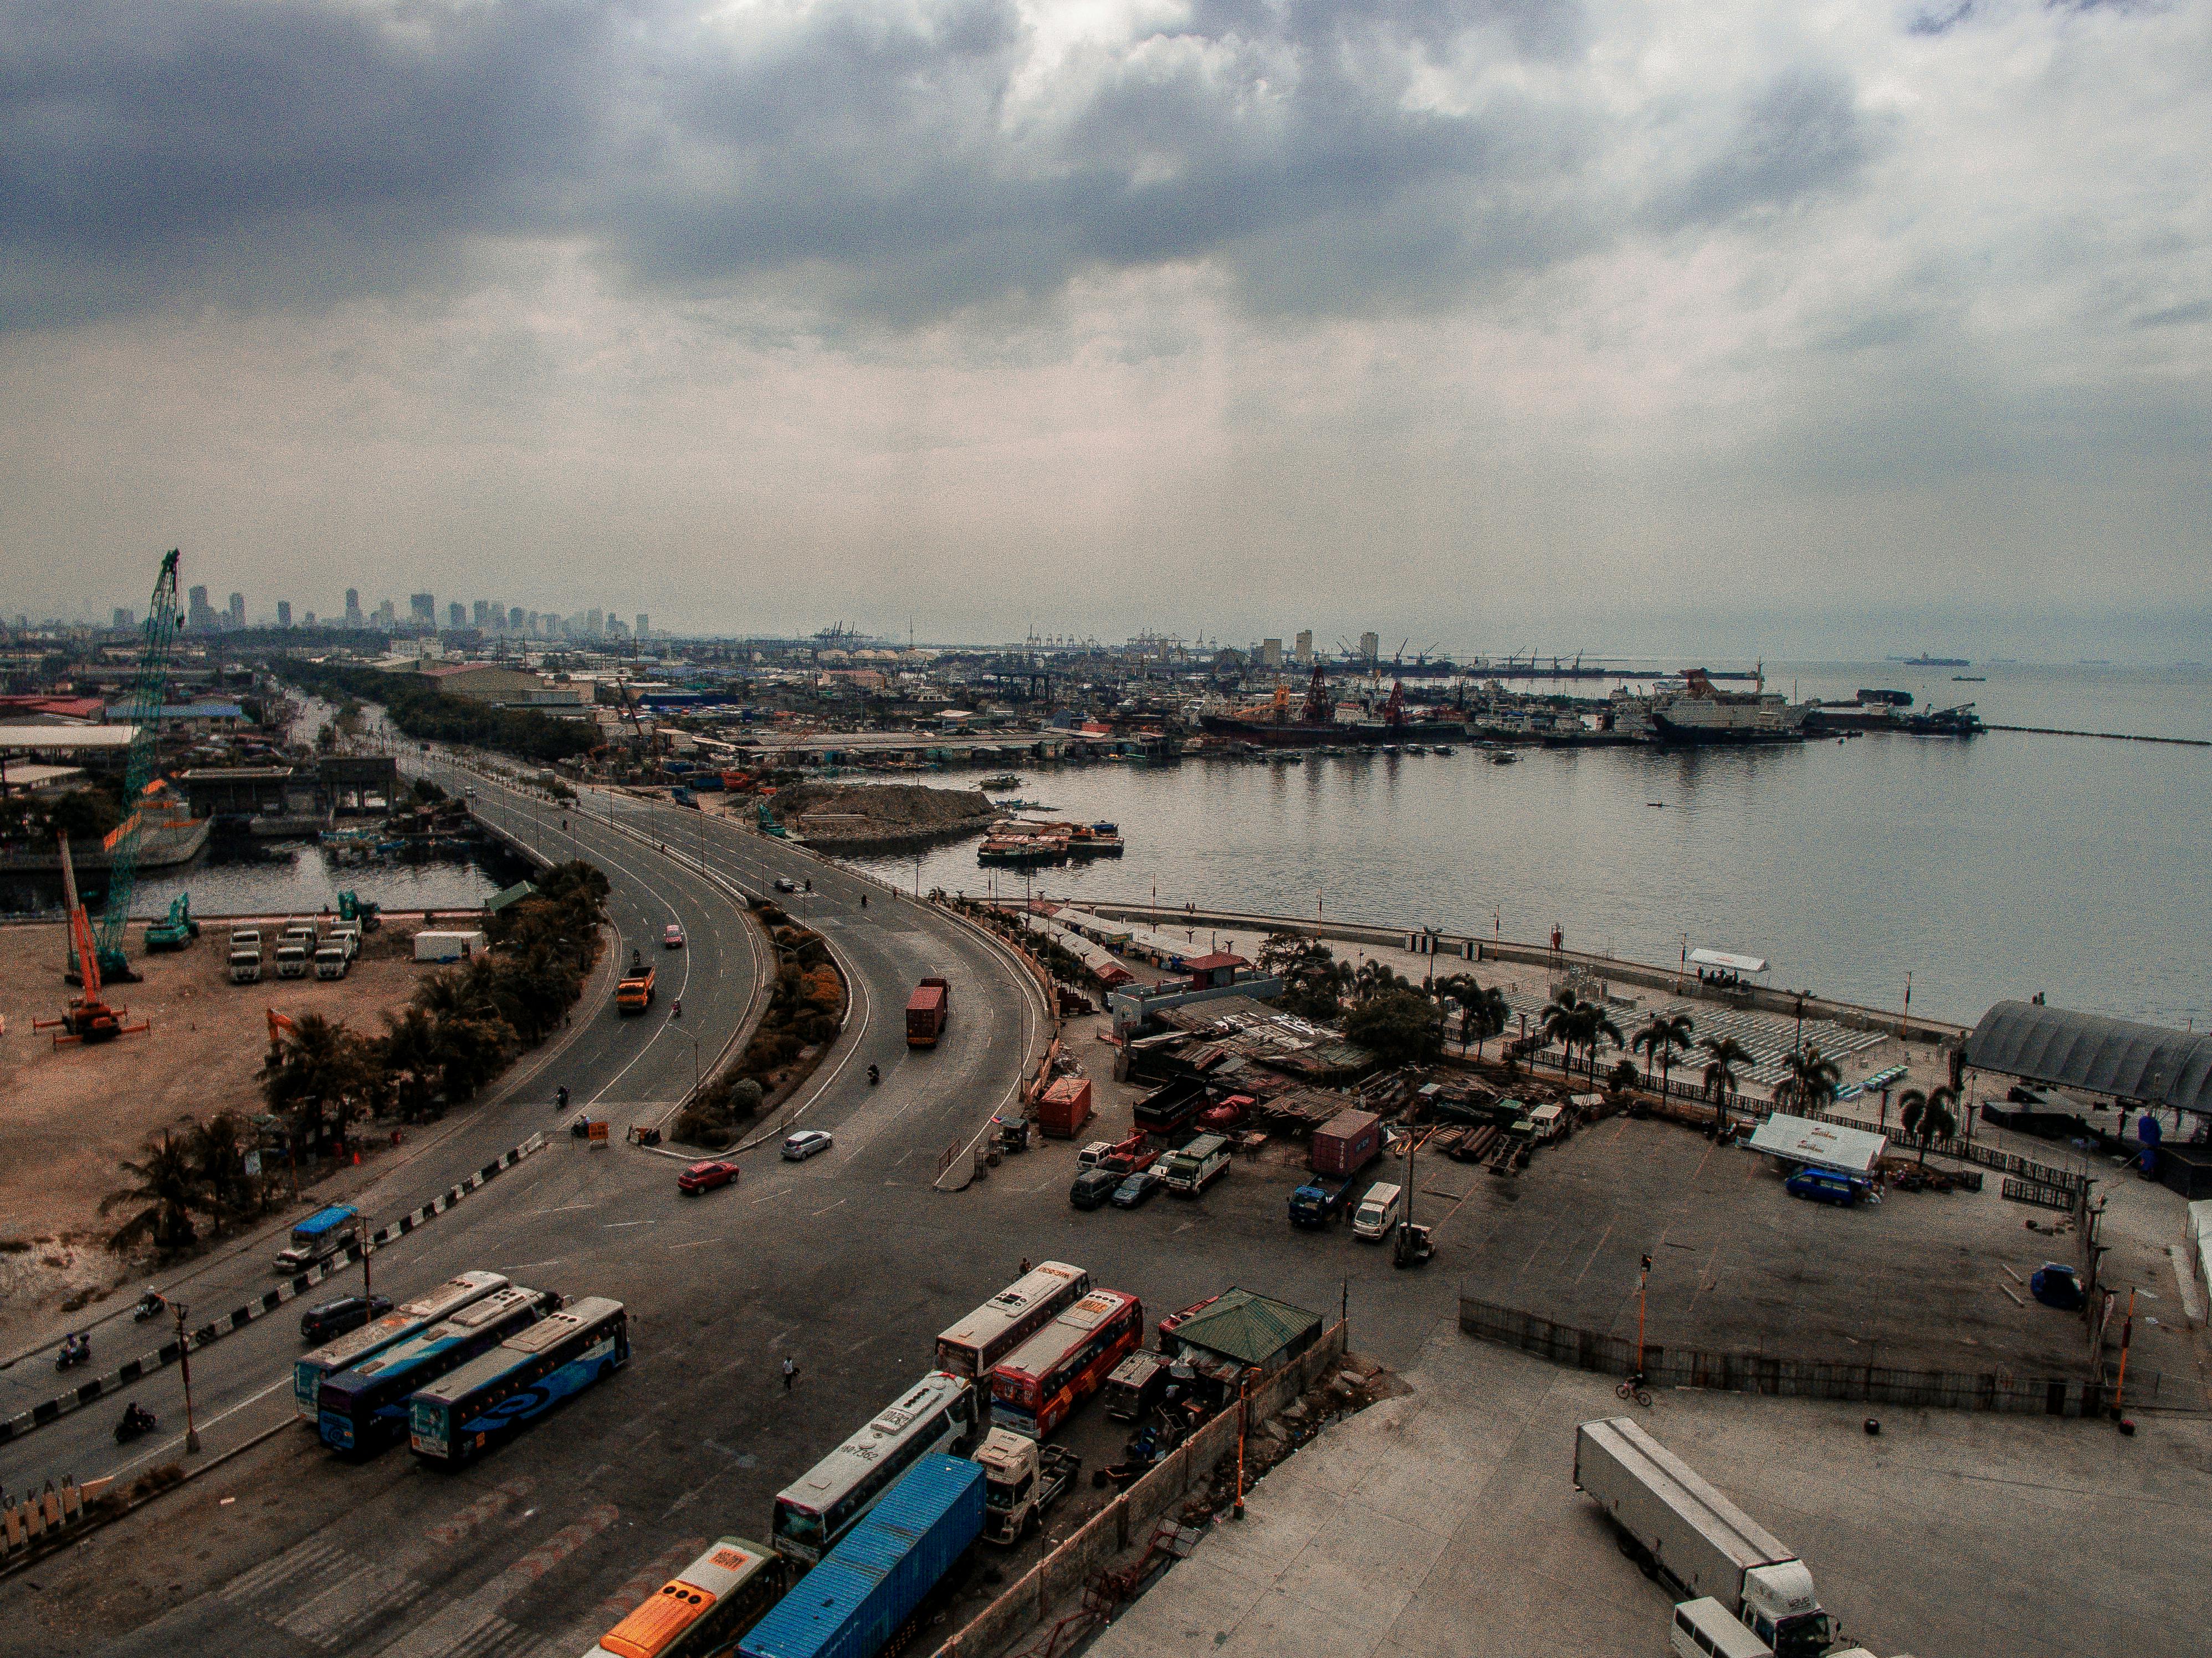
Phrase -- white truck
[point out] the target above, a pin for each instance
(1021, 1479)
(449, 946)
(1197, 1166)
(1680, 1528)
(1382, 1208)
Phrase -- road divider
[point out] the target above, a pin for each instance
(238, 1318)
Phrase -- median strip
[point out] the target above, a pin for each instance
(53, 1410)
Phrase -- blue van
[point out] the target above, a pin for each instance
(1826, 1186)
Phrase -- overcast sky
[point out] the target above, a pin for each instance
(1728, 325)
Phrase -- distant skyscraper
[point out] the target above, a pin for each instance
(198, 613)
(422, 608)
(483, 613)
(1304, 648)
(308, 621)
(1271, 653)
(455, 616)
(1370, 647)
(238, 609)
(353, 615)
(284, 612)
(387, 613)
(595, 623)
(518, 619)
(125, 617)
(644, 626)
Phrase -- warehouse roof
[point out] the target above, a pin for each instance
(2095, 1052)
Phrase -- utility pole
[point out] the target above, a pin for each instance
(366, 1252)
(185, 1362)
(1642, 1277)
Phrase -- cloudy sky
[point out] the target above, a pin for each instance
(1605, 324)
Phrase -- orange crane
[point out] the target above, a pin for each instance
(89, 1019)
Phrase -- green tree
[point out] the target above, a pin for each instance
(1658, 1042)
(1808, 1079)
(167, 1190)
(1929, 1116)
(1724, 1065)
(84, 814)
(218, 1147)
(1398, 1026)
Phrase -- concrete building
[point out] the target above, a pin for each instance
(1303, 652)
(422, 608)
(125, 618)
(1370, 647)
(498, 687)
(284, 612)
(198, 613)
(1271, 653)
(238, 609)
(644, 626)
(456, 616)
(483, 614)
(354, 618)
(518, 619)
(387, 613)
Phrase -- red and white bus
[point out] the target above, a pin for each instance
(1008, 1319)
(1065, 1363)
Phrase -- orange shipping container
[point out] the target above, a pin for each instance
(1065, 1107)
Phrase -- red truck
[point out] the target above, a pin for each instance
(927, 1012)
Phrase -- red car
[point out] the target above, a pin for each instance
(706, 1177)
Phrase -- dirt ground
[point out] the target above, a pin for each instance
(69, 1114)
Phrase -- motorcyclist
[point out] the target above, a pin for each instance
(150, 1305)
(561, 1097)
(77, 1348)
(136, 1419)
(875, 1075)
(678, 1011)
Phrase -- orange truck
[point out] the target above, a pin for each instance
(927, 1011)
(634, 990)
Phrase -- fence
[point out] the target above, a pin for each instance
(1061, 1574)
(46, 1514)
(1797, 1378)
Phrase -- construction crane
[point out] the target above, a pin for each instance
(89, 1019)
(149, 696)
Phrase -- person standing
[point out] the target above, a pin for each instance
(790, 1372)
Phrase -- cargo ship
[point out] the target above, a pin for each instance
(1317, 723)
(1701, 715)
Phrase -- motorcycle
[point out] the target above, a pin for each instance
(76, 1349)
(137, 1420)
(150, 1305)
(875, 1075)
(560, 1098)
(678, 1012)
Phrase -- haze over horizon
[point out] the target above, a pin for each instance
(1627, 325)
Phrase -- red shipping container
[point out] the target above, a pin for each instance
(1346, 1144)
(1065, 1107)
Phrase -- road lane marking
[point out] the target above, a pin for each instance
(839, 1204)
(563, 1209)
(616, 1225)
(698, 1244)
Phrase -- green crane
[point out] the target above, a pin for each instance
(149, 696)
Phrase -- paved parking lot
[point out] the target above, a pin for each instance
(1445, 1524)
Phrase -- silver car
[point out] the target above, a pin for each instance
(805, 1144)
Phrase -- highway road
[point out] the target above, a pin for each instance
(849, 1263)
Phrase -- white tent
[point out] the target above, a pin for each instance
(1728, 961)
(1824, 1145)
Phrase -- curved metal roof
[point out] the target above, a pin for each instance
(2093, 1051)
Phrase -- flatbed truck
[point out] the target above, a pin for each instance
(1021, 1479)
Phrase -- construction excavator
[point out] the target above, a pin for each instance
(89, 1019)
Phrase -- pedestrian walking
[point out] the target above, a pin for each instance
(790, 1372)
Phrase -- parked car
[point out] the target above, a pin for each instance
(672, 937)
(1093, 1186)
(1136, 1188)
(706, 1177)
(2058, 1286)
(1821, 1186)
(785, 883)
(805, 1144)
(334, 1318)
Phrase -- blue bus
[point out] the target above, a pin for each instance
(365, 1408)
(453, 1418)
(410, 1318)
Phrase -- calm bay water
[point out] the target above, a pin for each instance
(1998, 868)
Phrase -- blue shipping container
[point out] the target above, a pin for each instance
(871, 1582)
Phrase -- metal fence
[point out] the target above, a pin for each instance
(1764, 1373)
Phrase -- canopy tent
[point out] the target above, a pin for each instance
(2096, 1053)
(1728, 961)
(1824, 1145)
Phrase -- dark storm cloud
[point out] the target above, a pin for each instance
(900, 161)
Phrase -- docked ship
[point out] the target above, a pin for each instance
(1317, 723)
(1700, 714)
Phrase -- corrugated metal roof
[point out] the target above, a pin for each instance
(2095, 1052)
(1247, 1327)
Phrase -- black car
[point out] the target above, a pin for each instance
(335, 1318)
(1136, 1188)
(1092, 1188)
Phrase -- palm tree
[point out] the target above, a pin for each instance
(169, 1188)
(1562, 1022)
(1929, 1115)
(1657, 1041)
(1808, 1081)
(1484, 1012)
(218, 1152)
(1598, 1029)
(410, 1053)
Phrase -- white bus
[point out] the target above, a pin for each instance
(409, 1318)
(1008, 1319)
(940, 1412)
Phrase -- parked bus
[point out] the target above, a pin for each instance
(1065, 1363)
(410, 1318)
(453, 1418)
(1008, 1319)
(940, 1412)
(703, 1608)
(364, 1409)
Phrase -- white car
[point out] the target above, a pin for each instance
(805, 1144)
(785, 883)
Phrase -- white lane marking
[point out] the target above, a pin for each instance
(563, 1209)
(616, 1225)
(839, 1204)
(698, 1244)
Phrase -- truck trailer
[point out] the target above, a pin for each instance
(1340, 1150)
(1697, 1540)
(873, 1581)
(927, 1012)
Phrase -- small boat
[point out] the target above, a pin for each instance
(1415, 747)
(1970, 679)
(1442, 747)
(1504, 757)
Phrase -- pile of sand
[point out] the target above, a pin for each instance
(845, 817)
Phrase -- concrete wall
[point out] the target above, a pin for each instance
(1127, 1520)
(1760, 1373)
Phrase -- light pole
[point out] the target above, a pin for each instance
(366, 1252)
(1642, 1277)
(185, 1363)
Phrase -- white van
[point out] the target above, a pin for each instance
(1706, 1628)
(292, 960)
(1382, 1208)
(331, 961)
(1091, 1153)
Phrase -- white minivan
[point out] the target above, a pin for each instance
(1705, 1629)
(1382, 1208)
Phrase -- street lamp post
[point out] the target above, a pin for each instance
(1642, 1277)
(185, 1363)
